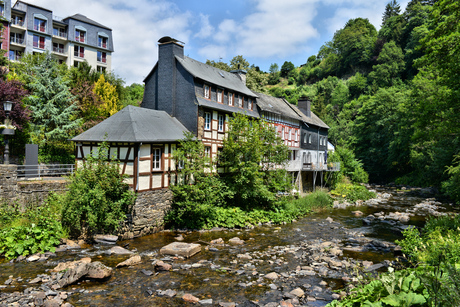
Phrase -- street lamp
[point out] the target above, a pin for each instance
(7, 106)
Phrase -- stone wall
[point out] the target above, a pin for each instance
(8, 182)
(148, 214)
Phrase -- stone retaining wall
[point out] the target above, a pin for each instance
(148, 214)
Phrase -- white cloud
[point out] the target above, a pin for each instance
(206, 28)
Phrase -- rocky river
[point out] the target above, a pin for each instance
(303, 263)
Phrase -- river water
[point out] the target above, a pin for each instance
(220, 273)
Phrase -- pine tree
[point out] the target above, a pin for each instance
(108, 94)
(391, 9)
(53, 107)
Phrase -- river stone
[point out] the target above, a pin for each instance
(298, 292)
(33, 258)
(236, 241)
(223, 304)
(357, 213)
(205, 302)
(94, 270)
(186, 250)
(217, 241)
(70, 265)
(286, 304)
(190, 298)
(131, 261)
(271, 276)
(162, 266)
(105, 239)
(118, 250)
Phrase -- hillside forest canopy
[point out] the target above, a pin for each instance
(391, 96)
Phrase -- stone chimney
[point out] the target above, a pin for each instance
(304, 105)
(240, 73)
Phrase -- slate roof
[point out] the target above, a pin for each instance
(313, 120)
(85, 19)
(276, 105)
(202, 102)
(214, 75)
(136, 125)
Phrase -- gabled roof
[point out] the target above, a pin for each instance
(276, 105)
(85, 19)
(136, 125)
(214, 75)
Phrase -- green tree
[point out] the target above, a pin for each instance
(239, 62)
(98, 199)
(391, 9)
(107, 93)
(390, 67)
(134, 95)
(286, 69)
(53, 108)
(221, 65)
(251, 153)
(274, 76)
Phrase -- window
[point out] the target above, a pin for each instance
(207, 121)
(102, 42)
(76, 64)
(290, 134)
(102, 57)
(39, 24)
(207, 91)
(79, 52)
(305, 138)
(16, 38)
(309, 138)
(207, 151)
(156, 155)
(221, 122)
(80, 35)
(17, 20)
(230, 99)
(14, 55)
(282, 133)
(240, 101)
(39, 42)
(296, 135)
(321, 141)
(59, 32)
(220, 95)
(2, 9)
(250, 104)
(59, 48)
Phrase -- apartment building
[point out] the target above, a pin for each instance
(72, 40)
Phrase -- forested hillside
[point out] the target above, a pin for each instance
(392, 96)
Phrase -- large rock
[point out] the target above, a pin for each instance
(185, 250)
(118, 250)
(70, 265)
(94, 270)
(236, 241)
(105, 239)
(131, 261)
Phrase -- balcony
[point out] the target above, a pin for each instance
(80, 39)
(59, 50)
(103, 60)
(17, 41)
(18, 23)
(298, 165)
(62, 35)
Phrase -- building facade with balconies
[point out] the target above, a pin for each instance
(71, 40)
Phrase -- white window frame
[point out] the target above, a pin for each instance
(207, 120)
(220, 96)
(290, 134)
(221, 122)
(207, 91)
(207, 151)
(309, 138)
(230, 99)
(156, 159)
(240, 101)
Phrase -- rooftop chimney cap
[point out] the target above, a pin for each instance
(169, 39)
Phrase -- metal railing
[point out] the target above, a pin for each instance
(58, 50)
(298, 165)
(44, 170)
(17, 40)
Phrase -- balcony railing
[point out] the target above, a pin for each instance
(58, 50)
(60, 34)
(50, 170)
(102, 45)
(15, 57)
(18, 23)
(17, 40)
(298, 165)
(102, 60)
(40, 28)
(39, 45)
(80, 39)
(79, 54)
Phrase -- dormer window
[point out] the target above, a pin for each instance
(80, 34)
(230, 99)
(207, 91)
(240, 101)
(39, 24)
(250, 104)
(102, 41)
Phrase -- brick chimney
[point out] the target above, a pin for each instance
(304, 105)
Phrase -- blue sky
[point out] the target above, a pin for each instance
(262, 31)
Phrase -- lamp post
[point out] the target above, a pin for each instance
(7, 106)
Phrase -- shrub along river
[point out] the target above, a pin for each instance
(298, 264)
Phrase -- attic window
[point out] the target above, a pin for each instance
(207, 92)
(221, 74)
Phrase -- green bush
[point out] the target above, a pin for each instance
(352, 192)
(37, 229)
(98, 199)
